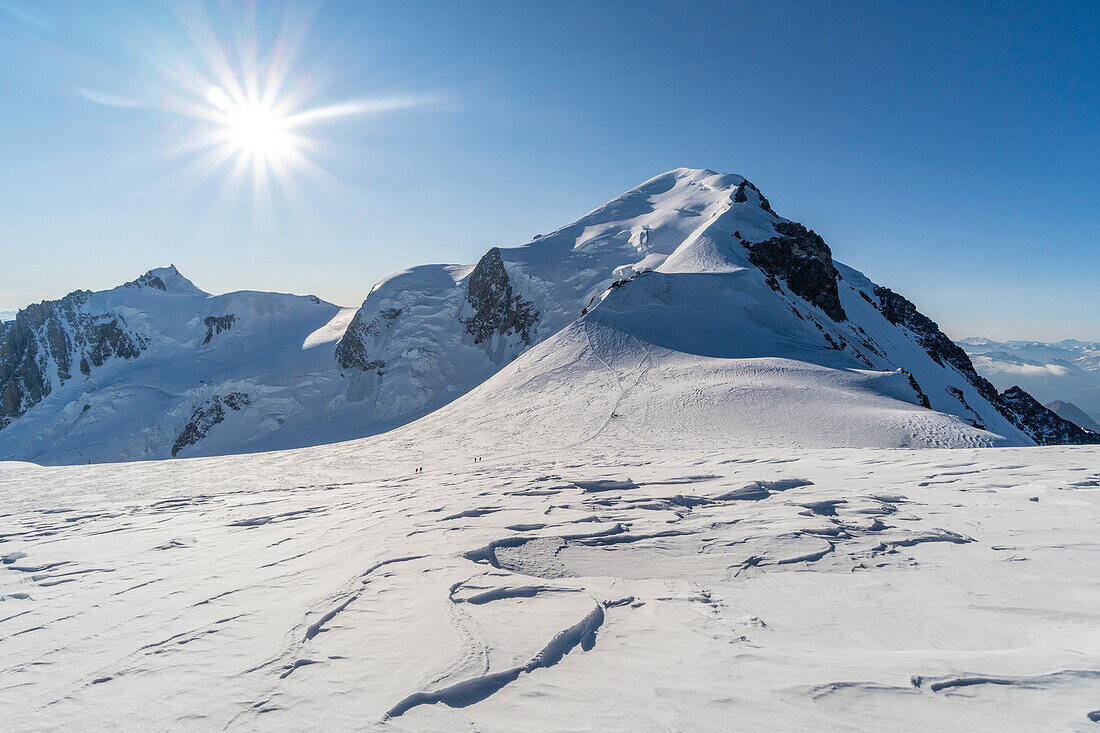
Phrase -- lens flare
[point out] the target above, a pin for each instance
(252, 105)
(256, 130)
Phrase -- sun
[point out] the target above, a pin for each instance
(255, 130)
(254, 111)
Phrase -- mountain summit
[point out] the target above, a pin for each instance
(685, 309)
(690, 299)
(167, 280)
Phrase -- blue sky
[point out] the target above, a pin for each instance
(950, 151)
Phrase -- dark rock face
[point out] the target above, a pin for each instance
(496, 308)
(740, 197)
(47, 339)
(206, 416)
(217, 324)
(1043, 425)
(148, 280)
(1073, 413)
(353, 351)
(961, 397)
(801, 258)
(1020, 408)
(901, 312)
(921, 396)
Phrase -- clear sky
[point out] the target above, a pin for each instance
(949, 150)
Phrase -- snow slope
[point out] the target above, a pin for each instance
(600, 380)
(430, 357)
(651, 518)
(698, 292)
(705, 350)
(688, 290)
(596, 587)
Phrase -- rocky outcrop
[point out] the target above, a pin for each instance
(355, 347)
(206, 416)
(901, 312)
(921, 396)
(217, 324)
(497, 310)
(1021, 409)
(167, 280)
(1073, 413)
(47, 341)
(960, 397)
(1044, 426)
(740, 196)
(148, 280)
(800, 258)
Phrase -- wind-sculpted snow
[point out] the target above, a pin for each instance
(556, 588)
(471, 691)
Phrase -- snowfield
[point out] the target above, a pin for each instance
(626, 582)
(667, 468)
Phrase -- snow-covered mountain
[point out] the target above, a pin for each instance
(157, 368)
(635, 508)
(687, 298)
(1064, 370)
(689, 284)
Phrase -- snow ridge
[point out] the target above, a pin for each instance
(691, 277)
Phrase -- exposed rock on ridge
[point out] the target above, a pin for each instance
(902, 312)
(1043, 425)
(148, 280)
(740, 197)
(801, 259)
(46, 340)
(206, 416)
(496, 308)
(1073, 413)
(354, 349)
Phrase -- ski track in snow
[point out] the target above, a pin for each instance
(585, 588)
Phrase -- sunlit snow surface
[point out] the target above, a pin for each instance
(608, 585)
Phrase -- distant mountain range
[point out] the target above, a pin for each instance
(1062, 371)
(686, 301)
